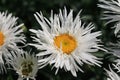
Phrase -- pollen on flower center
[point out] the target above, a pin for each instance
(1, 39)
(26, 68)
(65, 42)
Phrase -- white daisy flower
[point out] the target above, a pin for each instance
(67, 43)
(112, 75)
(10, 34)
(117, 66)
(25, 64)
(112, 12)
(114, 48)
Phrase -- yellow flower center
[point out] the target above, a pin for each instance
(1, 39)
(65, 42)
(26, 68)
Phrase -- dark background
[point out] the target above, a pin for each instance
(24, 9)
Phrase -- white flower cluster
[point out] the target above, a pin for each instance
(64, 42)
(112, 14)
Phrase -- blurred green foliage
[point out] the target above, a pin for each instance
(25, 10)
